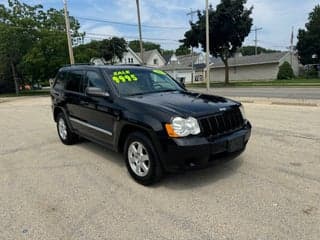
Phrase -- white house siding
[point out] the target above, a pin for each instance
(155, 56)
(250, 72)
(128, 55)
(178, 74)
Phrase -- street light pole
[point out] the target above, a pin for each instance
(140, 32)
(207, 45)
(68, 32)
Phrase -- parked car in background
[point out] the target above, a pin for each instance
(37, 86)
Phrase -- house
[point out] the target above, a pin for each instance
(180, 67)
(256, 67)
(130, 57)
(152, 58)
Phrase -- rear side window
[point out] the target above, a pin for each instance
(96, 80)
(75, 81)
(60, 80)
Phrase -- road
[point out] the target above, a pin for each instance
(51, 191)
(267, 92)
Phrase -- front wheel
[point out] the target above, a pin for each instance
(141, 159)
(65, 134)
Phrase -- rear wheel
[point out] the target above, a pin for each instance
(65, 134)
(141, 159)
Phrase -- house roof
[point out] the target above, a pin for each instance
(148, 54)
(176, 66)
(184, 62)
(167, 57)
(137, 56)
(187, 59)
(250, 60)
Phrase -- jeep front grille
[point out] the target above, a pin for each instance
(222, 123)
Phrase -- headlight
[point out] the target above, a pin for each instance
(181, 127)
(243, 112)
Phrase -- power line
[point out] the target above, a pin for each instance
(100, 35)
(191, 13)
(129, 24)
(132, 37)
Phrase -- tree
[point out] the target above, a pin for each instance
(46, 56)
(113, 48)
(285, 71)
(17, 27)
(49, 52)
(109, 49)
(230, 23)
(183, 50)
(135, 46)
(84, 53)
(33, 41)
(250, 50)
(309, 38)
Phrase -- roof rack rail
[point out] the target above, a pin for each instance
(77, 64)
(128, 64)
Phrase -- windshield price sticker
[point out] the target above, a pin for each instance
(124, 76)
(159, 72)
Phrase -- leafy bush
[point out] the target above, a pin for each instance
(285, 71)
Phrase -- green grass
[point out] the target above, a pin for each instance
(299, 82)
(27, 93)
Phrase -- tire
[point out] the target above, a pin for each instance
(141, 159)
(65, 134)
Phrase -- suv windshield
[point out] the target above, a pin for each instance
(134, 81)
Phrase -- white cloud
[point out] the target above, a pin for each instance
(275, 17)
(95, 31)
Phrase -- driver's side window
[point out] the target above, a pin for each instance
(94, 79)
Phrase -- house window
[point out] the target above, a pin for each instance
(130, 60)
(155, 61)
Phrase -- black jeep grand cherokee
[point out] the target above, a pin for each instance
(147, 115)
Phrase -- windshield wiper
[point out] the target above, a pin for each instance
(168, 90)
(135, 94)
(165, 90)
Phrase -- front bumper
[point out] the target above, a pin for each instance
(185, 153)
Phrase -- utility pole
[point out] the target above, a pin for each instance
(256, 39)
(140, 32)
(191, 13)
(207, 45)
(291, 47)
(66, 15)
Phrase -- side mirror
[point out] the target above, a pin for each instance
(97, 92)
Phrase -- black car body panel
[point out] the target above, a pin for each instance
(107, 120)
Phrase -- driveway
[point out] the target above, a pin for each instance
(52, 191)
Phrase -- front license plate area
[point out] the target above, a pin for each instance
(235, 144)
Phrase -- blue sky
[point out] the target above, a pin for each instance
(275, 17)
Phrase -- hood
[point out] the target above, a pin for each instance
(186, 103)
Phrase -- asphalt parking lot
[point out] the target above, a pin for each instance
(52, 191)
